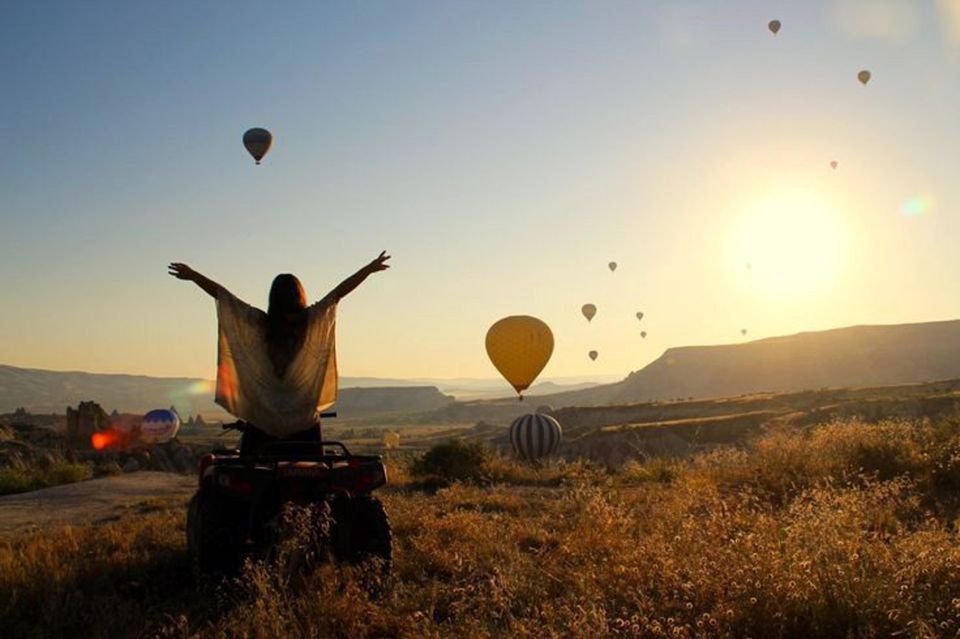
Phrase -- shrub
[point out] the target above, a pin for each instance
(454, 460)
(67, 473)
(941, 455)
(13, 481)
(885, 450)
(783, 463)
(20, 477)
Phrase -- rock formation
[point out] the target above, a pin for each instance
(83, 422)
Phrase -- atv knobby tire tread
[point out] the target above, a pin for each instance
(362, 531)
(215, 536)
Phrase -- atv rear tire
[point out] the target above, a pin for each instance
(361, 531)
(215, 537)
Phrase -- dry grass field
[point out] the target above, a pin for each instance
(843, 530)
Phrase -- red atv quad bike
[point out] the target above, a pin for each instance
(238, 509)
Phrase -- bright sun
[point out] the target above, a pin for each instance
(791, 243)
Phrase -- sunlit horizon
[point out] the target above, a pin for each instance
(502, 157)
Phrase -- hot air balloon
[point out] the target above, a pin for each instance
(833, 164)
(391, 440)
(643, 334)
(593, 355)
(864, 77)
(535, 436)
(588, 310)
(743, 331)
(258, 143)
(612, 266)
(519, 347)
(159, 426)
(639, 315)
(774, 26)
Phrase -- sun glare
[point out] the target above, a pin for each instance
(791, 244)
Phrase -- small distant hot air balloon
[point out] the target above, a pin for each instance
(643, 334)
(159, 426)
(864, 77)
(391, 440)
(535, 436)
(588, 310)
(593, 355)
(519, 347)
(612, 266)
(743, 331)
(258, 143)
(639, 315)
(774, 26)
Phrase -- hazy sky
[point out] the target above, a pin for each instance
(503, 152)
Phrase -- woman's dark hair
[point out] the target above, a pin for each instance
(286, 321)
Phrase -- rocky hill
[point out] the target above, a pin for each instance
(843, 357)
(43, 391)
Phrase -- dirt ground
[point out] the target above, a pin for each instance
(92, 501)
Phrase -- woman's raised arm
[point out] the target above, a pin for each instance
(346, 286)
(183, 272)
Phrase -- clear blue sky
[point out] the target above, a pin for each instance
(503, 152)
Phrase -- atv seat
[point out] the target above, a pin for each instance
(254, 442)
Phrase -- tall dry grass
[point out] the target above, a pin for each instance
(843, 531)
(20, 476)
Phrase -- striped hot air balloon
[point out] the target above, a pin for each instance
(535, 436)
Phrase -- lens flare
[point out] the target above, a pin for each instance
(201, 387)
(916, 206)
(106, 439)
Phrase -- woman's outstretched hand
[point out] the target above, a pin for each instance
(346, 286)
(379, 264)
(181, 271)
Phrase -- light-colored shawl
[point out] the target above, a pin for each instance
(247, 384)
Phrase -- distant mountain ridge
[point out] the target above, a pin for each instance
(43, 391)
(871, 355)
(855, 356)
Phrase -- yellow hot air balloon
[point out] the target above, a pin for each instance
(391, 440)
(864, 77)
(257, 142)
(519, 347)
(774, 26)
(588, 310)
